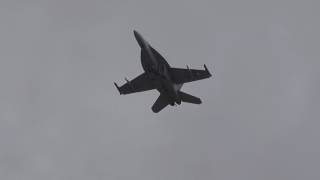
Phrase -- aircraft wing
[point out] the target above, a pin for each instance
(181, 76)
(139, 84)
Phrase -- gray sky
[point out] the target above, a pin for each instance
(61, 117)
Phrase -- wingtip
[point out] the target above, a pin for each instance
(206, 69)
(115, 84)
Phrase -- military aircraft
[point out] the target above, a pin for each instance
(160, 76)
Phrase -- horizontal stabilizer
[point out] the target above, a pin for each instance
(189, 98)
(160, 103)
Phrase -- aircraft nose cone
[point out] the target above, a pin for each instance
(135, 33)
(139, 39)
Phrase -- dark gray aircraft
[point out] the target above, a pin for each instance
(160, 76)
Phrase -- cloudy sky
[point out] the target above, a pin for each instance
(61, 118)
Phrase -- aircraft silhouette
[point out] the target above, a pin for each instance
(160, 76)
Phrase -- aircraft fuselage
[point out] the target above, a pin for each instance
(159, 75)
(158, 70)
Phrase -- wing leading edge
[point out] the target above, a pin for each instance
(181, 76)
(139, 84)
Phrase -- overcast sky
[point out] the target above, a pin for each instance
(61, 118)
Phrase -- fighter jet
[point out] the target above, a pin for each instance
(159, 75)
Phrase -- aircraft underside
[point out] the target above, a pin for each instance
(160, 76)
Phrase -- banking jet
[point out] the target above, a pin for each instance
(160, 76)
